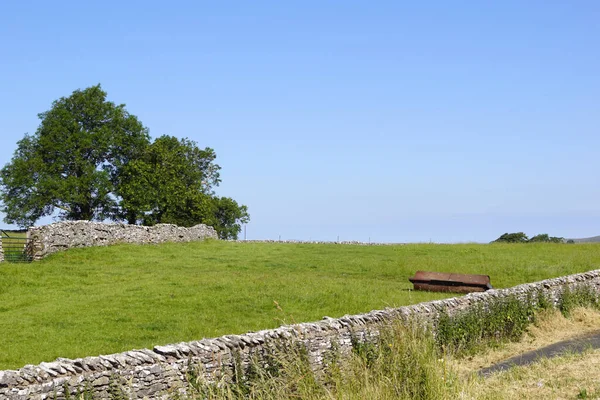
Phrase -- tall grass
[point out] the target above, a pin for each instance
(406, 363)
(499, 320)
(579, 296)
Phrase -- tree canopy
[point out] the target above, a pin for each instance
(91, 160)
(517, 237)
(520, 237)
(171, 181)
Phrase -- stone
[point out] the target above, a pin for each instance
(8, 378)
(64, 235)
(102, 381)
(169, 350)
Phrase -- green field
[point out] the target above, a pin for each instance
(103, 300)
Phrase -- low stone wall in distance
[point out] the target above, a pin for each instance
(161, 372)
(345, 242)
(65, 235)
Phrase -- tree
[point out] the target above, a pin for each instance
(172, 182)
(228, 217)
(544, 238)
(73, 161)
(517, 237)
(92, 160)
(520, 237)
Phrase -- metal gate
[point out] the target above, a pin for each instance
(16, 247)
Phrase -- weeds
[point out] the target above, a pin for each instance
(405, 364)
(116, 389)
(277, 373)
(505, 319)
(579, 296)
(84, 392)
(501, 319)
(585, 394)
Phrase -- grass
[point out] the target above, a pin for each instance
(572, 376)
(109, 299)
(406, 365)
(8, 235)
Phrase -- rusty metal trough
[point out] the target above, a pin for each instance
(448, 282)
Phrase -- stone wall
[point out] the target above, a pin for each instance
(346, 242)
(160, 372)
(59, 236)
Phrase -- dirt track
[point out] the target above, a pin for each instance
(576, 345)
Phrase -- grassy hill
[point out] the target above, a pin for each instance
(103, 300)
(593, 239)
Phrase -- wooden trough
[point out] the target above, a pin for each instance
(449, 282)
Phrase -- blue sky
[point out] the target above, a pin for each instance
(390, 121)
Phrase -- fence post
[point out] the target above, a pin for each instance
(1, 250)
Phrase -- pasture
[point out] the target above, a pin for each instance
(103, 300)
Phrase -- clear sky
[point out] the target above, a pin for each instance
(442, 121)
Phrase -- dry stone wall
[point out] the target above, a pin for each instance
(345, 242)
(59, 236)
(161, 372)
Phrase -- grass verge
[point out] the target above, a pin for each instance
(572, 376)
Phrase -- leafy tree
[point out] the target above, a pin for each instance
(172, 182)
(73, 161)
(543, 237)
(517, 237)
(228, 217)
(92, 160)
(520, 237)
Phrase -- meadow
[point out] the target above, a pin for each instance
(103, 300)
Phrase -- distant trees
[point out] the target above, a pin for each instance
(543, 237)
(91, 160)
(517, 237)
(520, 237)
